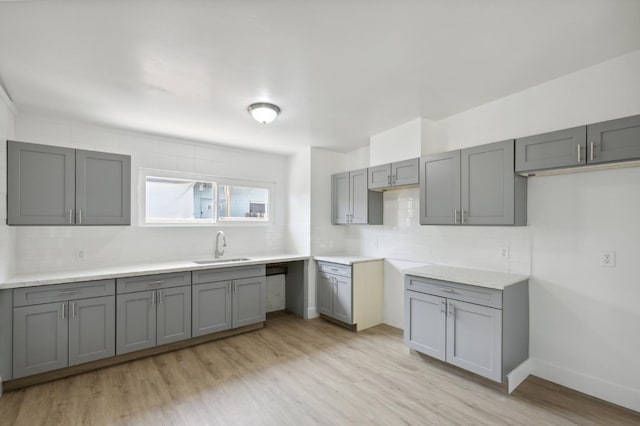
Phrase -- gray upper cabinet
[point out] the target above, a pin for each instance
(440, 188)
(563, 148)
(599, 143)
(398, 174)
(351, 200)
(614, 140)
(40, 338)
(92, 329)
(49, 185)
(473, 186)
(491, 193)
(40, 184)
(103, 188)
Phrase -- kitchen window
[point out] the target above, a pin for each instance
(172, 198)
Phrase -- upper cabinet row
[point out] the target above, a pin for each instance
(472, 186)
(609, 141)
(49, 185)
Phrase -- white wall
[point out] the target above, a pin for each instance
(299, 202)
(584, 318)
(397, 144)
(47, 248)
(7, 234)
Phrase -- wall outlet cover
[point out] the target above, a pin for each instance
(608, 259)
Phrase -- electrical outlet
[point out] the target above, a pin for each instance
(504, 253)
(608, 259)
(82, 254)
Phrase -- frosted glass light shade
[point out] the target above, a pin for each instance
(264, 112)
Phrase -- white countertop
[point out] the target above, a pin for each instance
(57, 277)
(347, 260)
(477, 277)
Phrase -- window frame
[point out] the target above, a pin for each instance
(217, 181)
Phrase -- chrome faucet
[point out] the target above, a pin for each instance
(217, 252)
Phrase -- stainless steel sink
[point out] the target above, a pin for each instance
(216, 261)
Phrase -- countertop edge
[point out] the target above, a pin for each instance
(347, 260)
(71, 276)
(507, 280)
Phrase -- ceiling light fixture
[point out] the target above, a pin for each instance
(264, 112)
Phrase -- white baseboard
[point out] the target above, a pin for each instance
(519, 374)
(612, 392)
(312, 313)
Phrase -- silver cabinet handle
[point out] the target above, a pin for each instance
(393, 179)
(452, 309)
(70, 215)
(156, 282)
(160, 297)
(443, 307)
(455, 215)
(153, 298)
(64, 310)
(61, 293)
(462, 216)
(79, 216)
(73, 309)
(388, 179)
(591, 153)
(448, 290)
(579, 150)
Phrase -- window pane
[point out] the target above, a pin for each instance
(178, 200)
(243, 203)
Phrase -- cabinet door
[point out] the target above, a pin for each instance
(551, 150)
(342, 301)
(358, 193)
(405, 172)
(440, 188)
(92, 329)
(425, 323)
(103, 188)
(379, 176)
(614, 140)
(340, 198)
(249, 301)
(135, 321)
(211, 308)
(40, 338)
(174, 314)
(40, 184)
(474, 338)
(325, 294)
(487, 184)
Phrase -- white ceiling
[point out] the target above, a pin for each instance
(340, 70)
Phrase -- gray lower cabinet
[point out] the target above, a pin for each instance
(61, 325)
(211, 307)
(482, 330)
(92, 330)
(605, 142)
(154, 317)
(48, 185)
(394, 175)
(473, 186)
(351, 200)
(40, 338)
(228, 298)
(325, 294)
(335, 296)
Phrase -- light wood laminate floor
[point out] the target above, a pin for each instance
(297, 372)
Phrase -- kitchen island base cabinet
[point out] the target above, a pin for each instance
(482, 330)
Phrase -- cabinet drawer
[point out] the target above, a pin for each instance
(335, 268)
(150, 282)
(223, 274)
(61, 292)
(467, 293)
